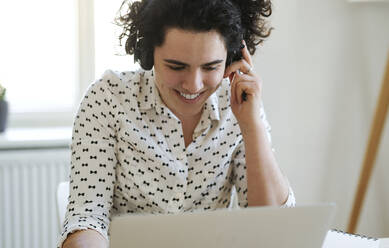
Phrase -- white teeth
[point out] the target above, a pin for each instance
(188, 96)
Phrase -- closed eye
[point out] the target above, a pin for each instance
(209, 68)
(176, 68)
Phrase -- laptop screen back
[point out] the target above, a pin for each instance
(301, 226)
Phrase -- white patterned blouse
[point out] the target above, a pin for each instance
(128, 155)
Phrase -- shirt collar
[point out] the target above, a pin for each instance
(211, 106)
(147, 90)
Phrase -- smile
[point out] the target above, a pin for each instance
(189, 98)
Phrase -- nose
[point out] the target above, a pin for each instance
(193, 83)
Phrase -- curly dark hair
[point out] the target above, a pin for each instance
(145, 23)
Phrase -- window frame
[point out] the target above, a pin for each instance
(85, 74)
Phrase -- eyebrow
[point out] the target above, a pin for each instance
(176, 62)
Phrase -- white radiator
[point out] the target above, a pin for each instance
(28, 183)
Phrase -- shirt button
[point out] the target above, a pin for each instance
(181, 156)
(172, 208)
(174, 203)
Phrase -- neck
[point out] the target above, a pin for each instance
(190, 119)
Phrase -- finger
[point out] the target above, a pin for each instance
(233, 87)
(240, 65)
(246, 54)
(231, 77)
(244, 86)
(244, 77)
(236, 89)
(238, 93)
(250, 81)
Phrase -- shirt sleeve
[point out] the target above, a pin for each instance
(239, 169)
(93, 161)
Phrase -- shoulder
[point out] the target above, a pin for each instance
(114, 79)
(118, 84)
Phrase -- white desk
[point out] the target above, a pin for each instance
(384, 243)
(341, 239)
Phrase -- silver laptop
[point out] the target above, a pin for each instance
(298, 227)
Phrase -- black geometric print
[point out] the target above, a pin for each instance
(129, 156)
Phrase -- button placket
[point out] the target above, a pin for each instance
(175, 202)
(181, 156)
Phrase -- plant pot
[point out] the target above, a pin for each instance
(3, 115)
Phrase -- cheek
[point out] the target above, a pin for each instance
(167, 79)
(171, 79)
(215, 78)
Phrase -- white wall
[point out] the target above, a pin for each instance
(322, 70)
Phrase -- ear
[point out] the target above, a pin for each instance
(225, 70)
(224, 75)
(231, 76)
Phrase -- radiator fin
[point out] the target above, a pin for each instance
(29, 179)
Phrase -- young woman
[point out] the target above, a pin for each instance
(179, 134)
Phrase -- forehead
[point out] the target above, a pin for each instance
(192, 46)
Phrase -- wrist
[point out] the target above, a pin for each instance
(85, 238)
(252, 130)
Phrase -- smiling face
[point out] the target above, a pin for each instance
(188, 68)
